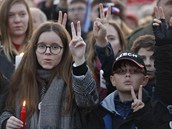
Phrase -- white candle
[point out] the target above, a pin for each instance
(18, 59)
(102, 80)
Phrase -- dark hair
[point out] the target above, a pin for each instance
(146, 41)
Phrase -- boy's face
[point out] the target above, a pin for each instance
(148, 59)
(128, 76)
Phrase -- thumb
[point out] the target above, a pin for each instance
(100, 25)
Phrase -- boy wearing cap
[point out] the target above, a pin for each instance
(129, 107)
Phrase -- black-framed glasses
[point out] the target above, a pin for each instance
(133, 71)
(54, 48)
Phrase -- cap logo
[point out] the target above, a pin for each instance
(127, 54)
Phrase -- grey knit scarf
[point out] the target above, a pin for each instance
(51, 114)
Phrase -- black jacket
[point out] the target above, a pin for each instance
(6, 67)
(3, 91)
(163, 74)
(102, 118)
(160, 115)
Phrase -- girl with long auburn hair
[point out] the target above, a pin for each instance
(53, 91)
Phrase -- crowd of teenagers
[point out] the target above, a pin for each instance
(56, 72)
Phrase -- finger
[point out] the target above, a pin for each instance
(161, 13)
(14, 122)
(133, 94)
(140, 93)
(101, 11)
(170, 23)
(155, 24)
(138, 108)
(17, 120)
(78, 29)
(135, 104)
(64, 20)
(73, 30)
(108, 15)
(156, 12)
(157, 21)
(101, 26)
(60, 17)
(138, 105)
(95, 26)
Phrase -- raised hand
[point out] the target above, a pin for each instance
(137, 102)
(77, 45)
(14, 123)
(100, 26)
(161, 29)
(62, 19)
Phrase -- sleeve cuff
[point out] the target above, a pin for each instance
(162, 42)
(107, 50)
(80, 70)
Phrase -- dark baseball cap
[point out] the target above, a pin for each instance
(135, 58)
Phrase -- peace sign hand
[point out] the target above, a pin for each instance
(100, 26)
(160, 27)
(77, 45)
(62, 19)
(137, 102)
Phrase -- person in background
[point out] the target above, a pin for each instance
(163, 59)
(167, 6)
(144, 46)
(16, 30)
(3, 91)
(95, 10)
(38, 17)
(54, 91)
(118, 43)
(132, 20)
(51, 9)
(119, 16)
(103, 33)
(117, 112)
(76, 12)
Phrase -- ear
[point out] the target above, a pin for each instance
(145, 80)
(112, 79)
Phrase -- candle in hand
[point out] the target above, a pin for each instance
(23, 114)
(18, 59)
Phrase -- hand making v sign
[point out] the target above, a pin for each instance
(62, 19)
(77, 45)
(161, 29)
(100, 26)
(137, 100)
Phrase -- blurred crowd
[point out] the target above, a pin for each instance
(86, 64)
